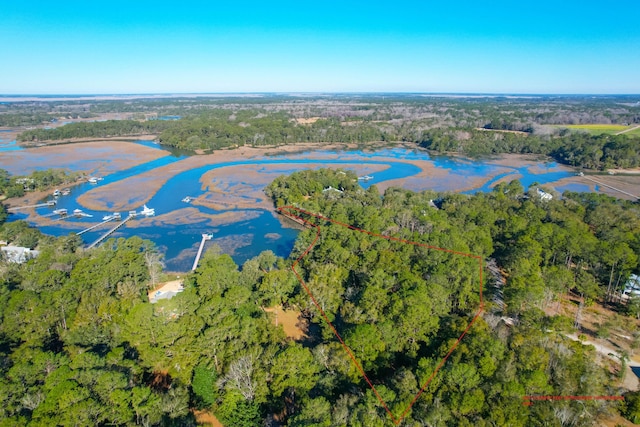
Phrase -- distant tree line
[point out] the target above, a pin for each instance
(24, 119)
(98, 129)
(575, 149)
(220, 128)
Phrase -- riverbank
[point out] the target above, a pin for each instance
(121, 138)
(240, 186)
(141, 188)
(226, 188)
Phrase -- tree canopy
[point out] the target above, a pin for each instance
(80, 343)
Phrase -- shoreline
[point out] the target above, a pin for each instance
(53, 143)
(232, 187)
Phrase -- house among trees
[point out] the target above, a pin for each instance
(18, 254)
(167, 291)
(544, 196)
(632, 287)
(331, 189)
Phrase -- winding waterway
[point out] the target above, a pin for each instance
(244, 232)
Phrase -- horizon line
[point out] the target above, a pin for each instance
(310, 93)
(328, 92)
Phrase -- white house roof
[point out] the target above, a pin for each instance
(18, 254)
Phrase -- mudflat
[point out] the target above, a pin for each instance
(95, 157)
(232, 187)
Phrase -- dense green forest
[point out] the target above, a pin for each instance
(81, 345)
(575, 149)
(99, 129)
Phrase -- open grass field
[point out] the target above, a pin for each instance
(635, 132)
(598, 129)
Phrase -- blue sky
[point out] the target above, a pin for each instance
(560, 46)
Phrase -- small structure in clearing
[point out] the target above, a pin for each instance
(167, 290)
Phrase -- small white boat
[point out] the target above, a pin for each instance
(107, 217)
(147, 211)
(365, 178)
(116, 215)
(66, 192)
(187, 199)
(60, 211)
(56, 193)
(80, 212)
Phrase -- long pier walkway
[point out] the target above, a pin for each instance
(109, 233)
(611, 187)
(205, 237)
(79, 233)
(39, 205)
(49, 215)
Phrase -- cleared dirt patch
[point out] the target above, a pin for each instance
(307, 121)
(620, 330)
(206, 418)
(173, 286)
(294, 325)
(614, 421)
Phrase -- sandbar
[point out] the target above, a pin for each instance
(191, 215)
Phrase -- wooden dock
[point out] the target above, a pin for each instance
(205, 237)
(611, 187)
(79, 233)
(39, 205)
(109, 233)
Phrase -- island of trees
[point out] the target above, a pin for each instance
(81, 345)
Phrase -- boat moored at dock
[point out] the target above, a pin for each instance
(147, 211)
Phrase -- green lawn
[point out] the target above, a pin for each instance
(597, 129)
(635, 132)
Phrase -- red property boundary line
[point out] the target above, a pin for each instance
(287, 211)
